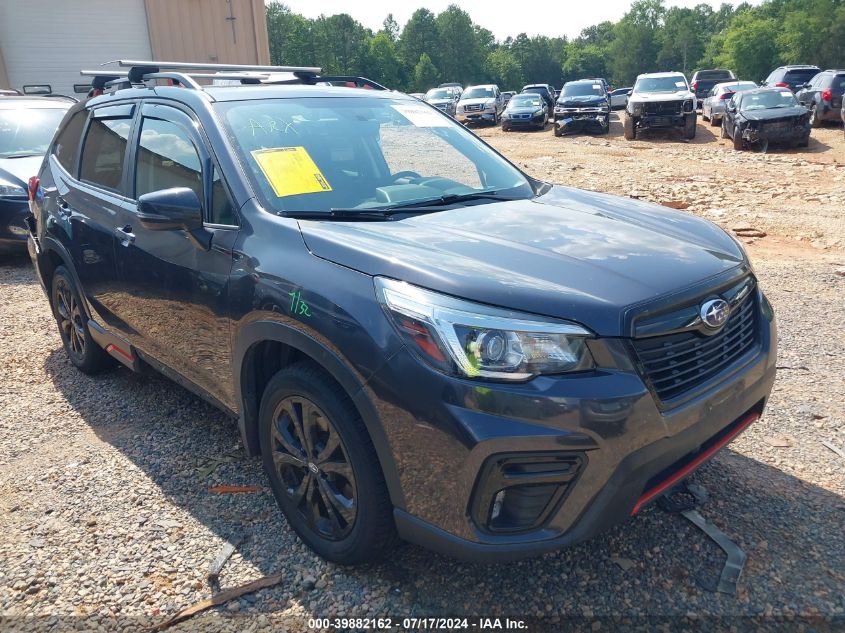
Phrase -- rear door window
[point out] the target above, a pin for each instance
(104, 151)
(66, 146)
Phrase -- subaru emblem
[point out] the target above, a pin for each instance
(714, 313)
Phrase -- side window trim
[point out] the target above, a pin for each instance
(133, 119)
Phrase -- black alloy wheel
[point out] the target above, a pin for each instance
(322, 466)
(313, 464)
(70, 318)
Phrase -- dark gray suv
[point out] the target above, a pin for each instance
(418, 339)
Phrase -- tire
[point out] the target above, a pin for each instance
(690, 126)
(723, 132)
(358, 527)
(738, 142)
(705, 117)
(82, 350)
(629, 129)
(804, 142)
(815, 121)
(714, 122)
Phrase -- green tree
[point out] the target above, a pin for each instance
(290, 37)
(461, 54)
(425, 74)
(750, 47)
(382, 61)
(503, 69)
(390, 27)
(419, 36)
(636, 42)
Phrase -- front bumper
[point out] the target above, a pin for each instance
(785, 135)
(523, 122)
(650, 121)
(477, 117)
(577, 120)
(13, 228)
(446, 433)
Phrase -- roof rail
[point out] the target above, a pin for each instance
(129, 63)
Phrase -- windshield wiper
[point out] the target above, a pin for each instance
(431, 205)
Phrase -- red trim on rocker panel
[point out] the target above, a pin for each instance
(112, 347)
(695, 463)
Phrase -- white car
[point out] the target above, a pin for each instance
(713, 106)
(619, 98)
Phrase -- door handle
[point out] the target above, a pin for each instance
(126, 235)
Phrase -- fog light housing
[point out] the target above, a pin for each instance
(517, 492)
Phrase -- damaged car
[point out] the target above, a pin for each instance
(525, 110)
(658, 101)
(583, 105)
(758, 117)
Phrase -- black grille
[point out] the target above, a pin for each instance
(663, 107)
(678, 363)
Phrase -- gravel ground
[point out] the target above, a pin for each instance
(108, 521)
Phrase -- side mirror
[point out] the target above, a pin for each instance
(170, 209)
(806, 85)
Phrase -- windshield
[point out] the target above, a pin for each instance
(707, 75)
(439, 93)
(525, 101)
(27, 131)
(661, 84)
(765, 100)
(582, 90)
(478, 93)
(315, 154)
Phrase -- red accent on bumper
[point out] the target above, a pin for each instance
(114, 348)
(695, 463)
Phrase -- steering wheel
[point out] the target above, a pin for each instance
(405, 174)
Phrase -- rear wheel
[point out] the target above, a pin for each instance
(704, 115)
(629, 128)
(322, 467)
(714, 122)
(723, 132)
(72, 320)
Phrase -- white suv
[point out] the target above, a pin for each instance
(660, 100)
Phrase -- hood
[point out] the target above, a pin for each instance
(480, 100)
(19, 170)
(523, 109)
(587, 101)
(437, 102)
(568, 254)
(774, 113)
(660, 96)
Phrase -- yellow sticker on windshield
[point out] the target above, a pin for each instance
(290, 171)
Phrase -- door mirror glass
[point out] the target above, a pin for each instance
(170, 209)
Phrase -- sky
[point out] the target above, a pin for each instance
(558, 17)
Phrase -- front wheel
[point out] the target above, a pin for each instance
(628, 127)
(80, 347)
(690, 126)
(323, 468)
(558, 130)
(815, 119)
(738, 142)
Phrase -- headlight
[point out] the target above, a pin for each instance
(460, 108)
(477, 341)
(489, 105)
(540, 111)
(11, 189)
